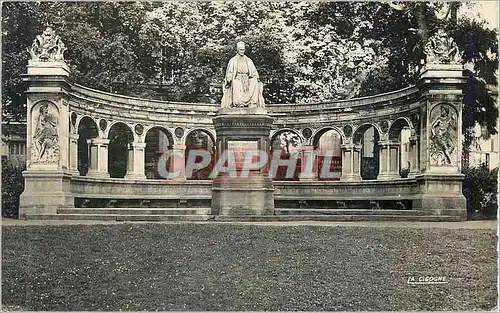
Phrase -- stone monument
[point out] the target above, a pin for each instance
(443, 83)
(242, 125)
(48, 168)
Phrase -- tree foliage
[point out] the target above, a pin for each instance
(12, 187)
(480, 189)
(304, 51)
(120, 138)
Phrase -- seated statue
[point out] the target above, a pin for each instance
(442, 49)
(47, 47)
(241, 86)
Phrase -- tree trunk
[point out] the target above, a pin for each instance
(454, 6)
(423, 28)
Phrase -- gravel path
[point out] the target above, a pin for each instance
(490, 224)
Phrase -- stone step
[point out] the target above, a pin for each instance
(248, 218)
(119, 217)
(137, 211)
(282, 211)
(339, 218)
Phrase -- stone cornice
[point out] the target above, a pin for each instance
(341, 106)
(112, 106)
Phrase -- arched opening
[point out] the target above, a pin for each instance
(368, 137)
(158, 141)
(400, 132)
(87, 129)
(328, 146)
(199, 139)
(120, 136)
(289, 143)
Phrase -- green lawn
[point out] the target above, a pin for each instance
(245, 267)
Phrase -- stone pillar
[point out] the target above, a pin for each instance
(414, 157)
(178, 163)
(395, 160)
(48, 170)
(308, 164)
(346, 162)
(351, 162)
(440, 129)
(98, 158)
(389, 159)
(383, 160)
(135, 161)
(440, 179)
(73, 154)
(356, 160)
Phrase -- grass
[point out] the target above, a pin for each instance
(245, 267)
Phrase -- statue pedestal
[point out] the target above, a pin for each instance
(45, 192)
(440, 137)
(51, 154)
(441, 194)
(52, 68)
(236, 196)
(442, 71)
(233, 192)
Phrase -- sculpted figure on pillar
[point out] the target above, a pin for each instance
(47, 47)
(242, 87)
(443, 130)
(442, 49)
(45, 138)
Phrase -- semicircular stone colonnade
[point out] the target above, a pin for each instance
(91, 150)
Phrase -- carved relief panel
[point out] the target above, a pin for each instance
(45, 133)
(443, 135)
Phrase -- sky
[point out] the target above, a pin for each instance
(489, 9)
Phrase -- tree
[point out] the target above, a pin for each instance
(480, 190)
(288, 139)
(20, 24)
(12, 187)
(105, 50)
(479, 44)
(197, 40)
(304, 52)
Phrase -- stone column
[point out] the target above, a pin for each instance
(440, 140)
(383, 160)
(178, 163)
(351, 162)
(440, 129)
(98, 157)
(389, 159)
(346, 162)
(414, 157)
(73, 154)
(308, 164)
(356, 160)
(135, 161)
(394, 159)
(48, 172)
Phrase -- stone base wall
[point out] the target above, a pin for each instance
(45, 192)
(232, 197)
(441, 194)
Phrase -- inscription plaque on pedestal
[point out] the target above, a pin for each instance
(239, 147)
